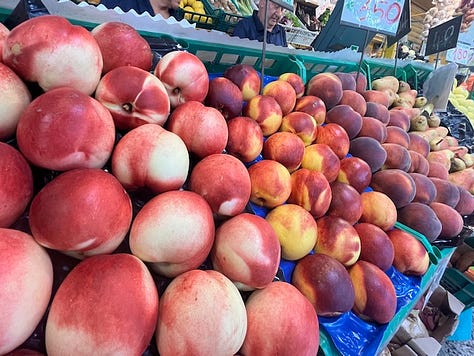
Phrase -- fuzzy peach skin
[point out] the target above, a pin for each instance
(246, 78)
(16, 184)
(201, 313)
(184, 75)
(14, 99)
(106, 305)
(173, 232)
(26, 277)
(246, 250)
(273, 330)
(64, 129)
(283, 92)
(143, 99)
(152, 157)
(122, 45)
(54, 53)
(82, 212)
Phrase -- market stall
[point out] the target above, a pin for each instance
(161, 196)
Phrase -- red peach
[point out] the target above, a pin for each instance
(345, 116)
(266, 111)
(378, 209)
(411, 257)
(284, 94)
(312, 105)
(296, 82)
(375, 245)
(326, 86)
(286, 148)
(354, 100)
(302, 124)
(345, 203)
(320, 157)
(245, 139)
(356, 172)
(336, 137)
(225, 96)
(246, 78)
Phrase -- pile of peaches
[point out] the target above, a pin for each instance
(145, 177)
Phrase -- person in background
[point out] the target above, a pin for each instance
(252, 27)
(165, 8)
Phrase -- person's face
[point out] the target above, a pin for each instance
(174, 4)
(274, 13)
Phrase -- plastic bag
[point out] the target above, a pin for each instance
(438, 85)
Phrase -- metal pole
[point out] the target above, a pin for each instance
(264, 45)
(362, 53)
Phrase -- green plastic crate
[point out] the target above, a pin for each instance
(417, 74)
(377, 69)
(455, 282)
(315, 65)
(208, 21)
(227, 19)
(327, 346)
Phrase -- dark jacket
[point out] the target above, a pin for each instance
(251, 28)
(139, 6)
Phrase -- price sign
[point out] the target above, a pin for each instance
(381, 16)
(404, 25)
(443, 36)
(462, 54)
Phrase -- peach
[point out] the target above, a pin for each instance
(443, 156)
(376, 96)
(201, 300)
(320, 157)
(348, 80)
(311, 190)
(397, 135)
(452, 222)
(286, 148)
(356, 172)
(345, 116)
(296, 230)
(378, 111)
(418, 144)
(122, 45)
(223, 181)
(370, 150)
(202, 128)
(421, 218)
(26, 276)
(246, 78)
(425, 191)
(115, 308)
(354, 100)
(173, 232)
(266, 111)
(142, 100)
(465, 205)
(296, 82)
(419, 164)
(270, 183)
(378, 209)
(400, 119)
(184, 75)
(64, 129)
(397, 184)
(4, 31)
(411, 257)
(283, 92)
(336, 137)
(374, 293)
(152, 157)
(375, 246)
(72, 213)
(345, 203)
(245, 138)
(337, 238)
(302, 124)
(326, 86)
(54, 53)
(225, 96)
(446, 192)
(266, 336)
(16, 184)
(371, 127)
(397, 157)
(325, 282)
(361, 81)
(312, 105)
(437, 170)
(15, 98)
(463, 178)
(247, 251)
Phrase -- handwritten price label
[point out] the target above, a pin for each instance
(462, 54)
(443, 37)
(376, 15)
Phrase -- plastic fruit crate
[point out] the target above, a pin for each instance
(299, 36)
(455, 282)
(377, 69)
(208, 21)
(227, 19)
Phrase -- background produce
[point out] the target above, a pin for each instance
(330, 143)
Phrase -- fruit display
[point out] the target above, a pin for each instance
(459, 97)
(156, 210)
(193, 9)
